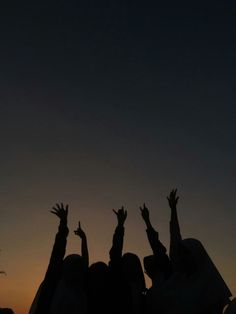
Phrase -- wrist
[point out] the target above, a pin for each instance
(148, 224)
(63, 221)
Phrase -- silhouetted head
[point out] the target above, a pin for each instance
(132, 269)
(157, 267)
(98, 275)
(74, 268)
(69, 295)
(98, 271)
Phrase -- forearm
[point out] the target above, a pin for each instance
(59, 247)
(148, 224)
(175, 239)
(84, 250)
(117, 243)
(174, 226)
(54, 269)
(153, 237)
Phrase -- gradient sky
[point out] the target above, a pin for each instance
(109, 103)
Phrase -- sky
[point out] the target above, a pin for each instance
(112, 103)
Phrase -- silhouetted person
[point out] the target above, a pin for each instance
(181, 258)
(33, 307)
(157, 266)
(127, 278)
(199, 288)
(99, 289)
(48, 286)
(133, 273)
(56, 293)
(70, 295)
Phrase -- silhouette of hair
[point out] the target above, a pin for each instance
(70, 296)
(74, 267)
(153, 265)
(33, 307)
(99, 288)
(98, 274)
(132, 269)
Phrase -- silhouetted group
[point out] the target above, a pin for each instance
(186, 281)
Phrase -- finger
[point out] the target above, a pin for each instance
(58, 206)
(67, 206)
(141, 210)
(55, 213)
(177, 199)
(56, 209)
(62, 206)
(122, 207)
(79, 225)
(144, 205)
(115, 211)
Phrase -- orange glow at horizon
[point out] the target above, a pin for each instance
(25, 256)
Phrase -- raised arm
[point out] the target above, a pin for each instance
(59, 248)
(84, 246)
(153, 236)
(175, 235)
(118, 237)
(53, 273)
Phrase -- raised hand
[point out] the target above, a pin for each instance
(173, 199)
(144, 212)
(80, 232)
(60, 211)
(121, 215)
(84, 247)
